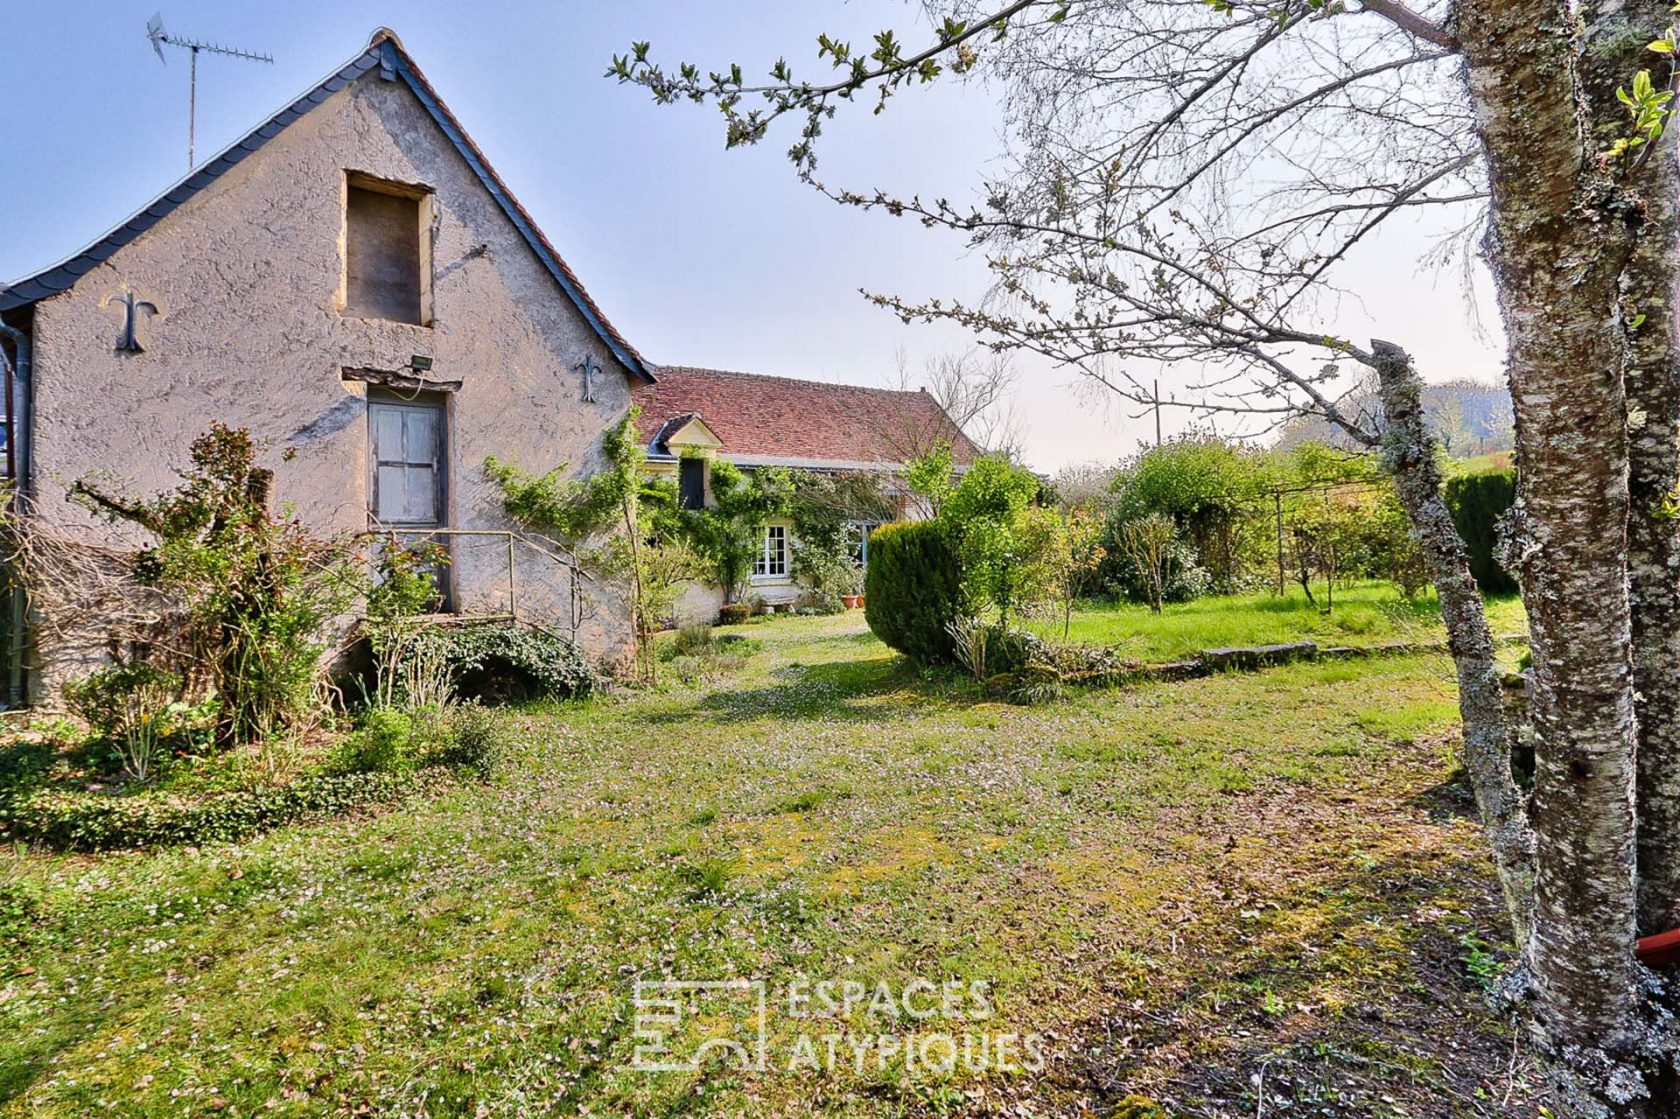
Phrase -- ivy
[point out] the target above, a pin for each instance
(93, 822)
(623, 523)
(392, 755)
(533, 662)
(726, 534)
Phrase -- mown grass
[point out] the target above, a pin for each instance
(1365, 613)
(1482, 464)
(1171, 884)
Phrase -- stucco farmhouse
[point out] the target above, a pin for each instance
(693, 417)
(354, 284)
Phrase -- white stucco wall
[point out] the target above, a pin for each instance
(247, 279)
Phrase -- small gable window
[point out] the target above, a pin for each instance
(773, 553)
(387, 265)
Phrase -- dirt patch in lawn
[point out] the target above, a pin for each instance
(1330, 961)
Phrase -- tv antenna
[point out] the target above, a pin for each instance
(158, 36)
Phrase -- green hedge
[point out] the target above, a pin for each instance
(913, 589)
(1477, 502)
(92, 822)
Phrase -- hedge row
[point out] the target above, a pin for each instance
(1478, 501)
(91, 822)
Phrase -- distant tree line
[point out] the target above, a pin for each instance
(1239, 518)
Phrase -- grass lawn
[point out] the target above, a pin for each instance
(1365, 613)
(1243, 893)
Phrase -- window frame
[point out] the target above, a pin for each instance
(860, 554)
(763, 562)
(437, 403)
(424, 198)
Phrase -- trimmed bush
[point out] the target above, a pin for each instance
(1478, 501)
(734, 613)
(914, 589)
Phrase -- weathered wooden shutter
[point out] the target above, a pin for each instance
(691, 483)
(407, 448)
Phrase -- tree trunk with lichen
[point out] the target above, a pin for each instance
(1409, 456)
(1618, 36)
(1653, 391)
(1561, 232)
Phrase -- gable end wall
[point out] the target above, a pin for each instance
(246, 276)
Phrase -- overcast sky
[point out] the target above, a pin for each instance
(698, 255)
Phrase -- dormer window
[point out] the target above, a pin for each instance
(387, 258)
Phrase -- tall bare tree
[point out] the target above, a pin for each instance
(1185, 185)
(976, 389)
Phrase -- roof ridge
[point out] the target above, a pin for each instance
(681, 369)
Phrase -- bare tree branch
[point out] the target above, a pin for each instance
(1403, 17)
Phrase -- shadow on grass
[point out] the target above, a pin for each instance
(1452, 798)
(851, 690)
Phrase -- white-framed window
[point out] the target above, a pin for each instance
(772, 558)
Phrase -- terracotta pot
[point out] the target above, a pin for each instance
(851, 601)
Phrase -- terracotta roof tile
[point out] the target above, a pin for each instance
(784, 418)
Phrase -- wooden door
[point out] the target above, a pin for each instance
(408, 464)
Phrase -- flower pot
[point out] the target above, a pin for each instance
(851, 601)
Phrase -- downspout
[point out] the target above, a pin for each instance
(17, 469)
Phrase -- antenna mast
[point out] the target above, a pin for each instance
(158, 36)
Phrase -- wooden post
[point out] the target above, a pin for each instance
(1277, 508)
(513, 589)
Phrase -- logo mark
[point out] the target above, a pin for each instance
(681, 1024)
